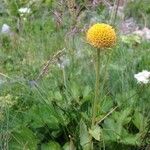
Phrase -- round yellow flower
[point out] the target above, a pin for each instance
(101, 35)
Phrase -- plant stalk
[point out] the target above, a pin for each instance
(95, 102)
(97, 87)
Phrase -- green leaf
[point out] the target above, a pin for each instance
(58, 95)
(75, 90)
(23, 138)
(130, 39)
(140, 121)
(114, 126)
(69, 146)
(51, 145)
(84, 136)
(123, 116)
(95, 132)
(106, 104)
(86, 91)
(41, 114)
(109, 130)
(130, 139)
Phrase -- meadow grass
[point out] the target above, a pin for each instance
(53, 111)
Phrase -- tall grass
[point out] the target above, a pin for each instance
(49, 113)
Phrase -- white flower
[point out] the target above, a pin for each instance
(144, 33)
(24, 10)
(147, 33)
(143, 77)
(5, 28)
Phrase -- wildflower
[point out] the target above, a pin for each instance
(5, 29)
(101, 35)
(143, 77)
(24, 10)
(144, 33)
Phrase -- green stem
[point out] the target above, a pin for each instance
(95, 103)
(97, 87)
(64, 77)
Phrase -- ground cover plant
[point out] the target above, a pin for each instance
(74, 75)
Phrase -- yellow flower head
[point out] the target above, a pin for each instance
(101, 35)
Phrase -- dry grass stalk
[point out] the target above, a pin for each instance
(51, 61)
(71, 4)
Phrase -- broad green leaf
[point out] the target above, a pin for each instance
(125, 98)
(23, 138)
(95, 132)
(114, 130)
(121, 118)
(106, 104)
(69, 146)
(114, 126)
(86, 91)
(75, 90)
(84, 136)
(109, 130)
(140, 121)
(39, 115)
(130, 139)
(58, 95)
(51, 145)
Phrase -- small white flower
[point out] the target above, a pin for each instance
(143, 77)
(24, 10)
(5, 29)
(147, 33)
(144, 33)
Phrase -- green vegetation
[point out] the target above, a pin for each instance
(47, 79)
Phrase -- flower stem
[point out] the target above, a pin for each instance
(97, 87)
(95, 102)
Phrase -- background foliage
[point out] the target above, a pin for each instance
(51, 110)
